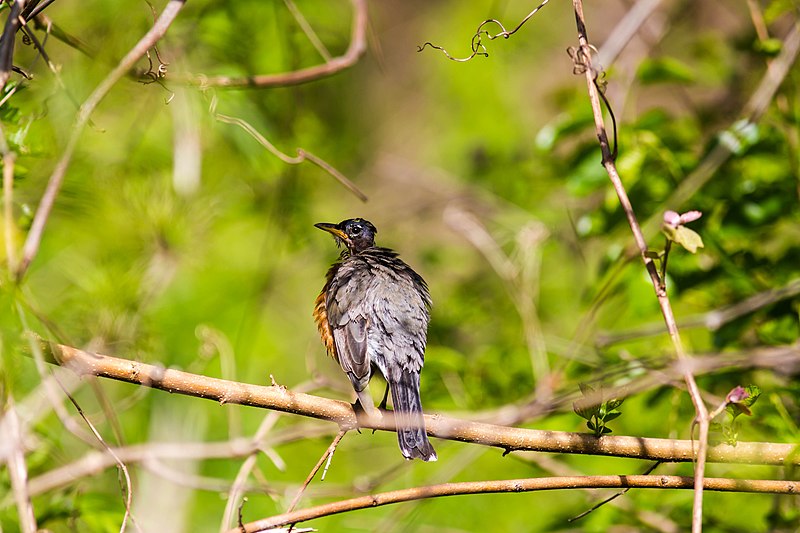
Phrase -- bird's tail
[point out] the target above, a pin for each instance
(411, 435)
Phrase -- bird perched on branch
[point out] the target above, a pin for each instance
(373, 313)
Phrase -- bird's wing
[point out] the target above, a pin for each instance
(400, 318)
(349, 321)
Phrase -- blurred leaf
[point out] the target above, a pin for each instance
(664, 70)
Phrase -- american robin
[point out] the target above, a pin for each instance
(373, 312)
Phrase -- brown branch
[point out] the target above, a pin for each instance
(521, 485)
(357, 47)
(584, 54)
(279, 398)
(158, 30)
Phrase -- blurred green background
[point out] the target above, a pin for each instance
(178, 240)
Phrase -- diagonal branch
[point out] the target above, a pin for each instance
(515, 486)
(507, 438)
(158, 31)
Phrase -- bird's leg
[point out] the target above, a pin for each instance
(382, 405)
(367, 406)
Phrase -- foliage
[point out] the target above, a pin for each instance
(215, 270)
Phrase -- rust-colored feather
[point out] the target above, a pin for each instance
(324, 327)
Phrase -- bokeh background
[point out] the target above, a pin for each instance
(179, 240)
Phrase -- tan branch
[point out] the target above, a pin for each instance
(520, 485)
(357, 47)
(508, 438)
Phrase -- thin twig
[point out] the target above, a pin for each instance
(477, 46)
(611, 498)
(8, 201)
(522, 485)
(663, 300)
(311, 35)
(247, 466)
(128, 489)
(34, 238)
(327, 454)
(302, 155)
(357, 47)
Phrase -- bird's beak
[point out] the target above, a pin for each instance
(332, 229)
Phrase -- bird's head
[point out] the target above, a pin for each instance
(356, 234)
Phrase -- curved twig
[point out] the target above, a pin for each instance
(476, 45)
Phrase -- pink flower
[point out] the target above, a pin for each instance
(674, 219)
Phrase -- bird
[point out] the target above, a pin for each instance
(373, 312)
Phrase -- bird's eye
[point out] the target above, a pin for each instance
(355, 230)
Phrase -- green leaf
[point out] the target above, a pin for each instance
(591, 425)
(754, 392)
(687, 238)
(584, 409)
(605, 431)
(611, 416)
(614, 403)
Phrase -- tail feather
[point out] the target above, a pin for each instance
(411, 435)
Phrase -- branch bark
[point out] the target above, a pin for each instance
(519, 485)
(508, 438)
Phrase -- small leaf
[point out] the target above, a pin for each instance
(670, 232)
(653, 254)
(611, 416)
(687, 238)
(591, 425)
(754, 392)
(614, 403)
(583, 409)
(605, 430)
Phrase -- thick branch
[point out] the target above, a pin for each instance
(508, 438)
(520, 485)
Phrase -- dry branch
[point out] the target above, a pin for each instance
(508, 438)
(520, 485)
